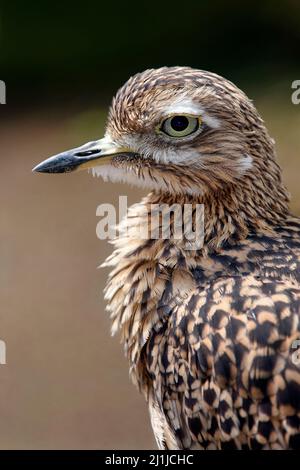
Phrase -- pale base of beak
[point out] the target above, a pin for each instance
(98, 161)
(88, 155)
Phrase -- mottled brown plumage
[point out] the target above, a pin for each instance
(208, 332)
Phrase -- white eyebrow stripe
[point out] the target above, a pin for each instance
(186, 106)
(211, 121)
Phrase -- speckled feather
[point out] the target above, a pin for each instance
(209, 333)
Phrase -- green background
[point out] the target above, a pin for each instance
(49, 48)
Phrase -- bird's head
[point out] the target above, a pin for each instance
(178, 130)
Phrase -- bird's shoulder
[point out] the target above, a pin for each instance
(224, 366)
(274, 255)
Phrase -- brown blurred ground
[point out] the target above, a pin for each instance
(66, 381)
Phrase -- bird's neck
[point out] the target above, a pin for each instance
(230, 214)
(150, 274)
(227, 216)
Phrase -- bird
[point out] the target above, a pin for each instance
(210, 331)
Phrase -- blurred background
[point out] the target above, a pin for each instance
(66, 381)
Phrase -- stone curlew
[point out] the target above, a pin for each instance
(209, 331)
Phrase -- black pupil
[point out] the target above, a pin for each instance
(179, 123)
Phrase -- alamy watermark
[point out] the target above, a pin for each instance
(2, 92)
(2, 352)
(296, 94)
(174, 222)
(296, 352)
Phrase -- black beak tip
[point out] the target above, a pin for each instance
(37, 169)
(54, 167)
(43, 169)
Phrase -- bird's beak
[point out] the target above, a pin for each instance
(88, 155)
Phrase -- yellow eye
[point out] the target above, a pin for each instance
(180, 126)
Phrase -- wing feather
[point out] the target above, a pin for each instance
(222, 369)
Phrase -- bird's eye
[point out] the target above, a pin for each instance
(180, 126)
